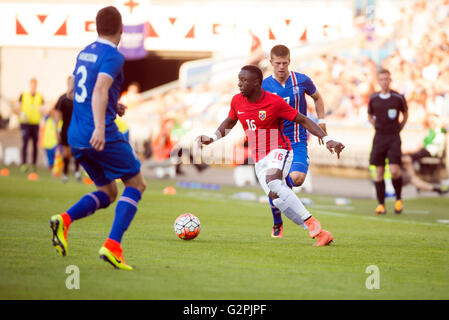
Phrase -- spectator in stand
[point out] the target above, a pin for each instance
(434, 145)
(131, 97)
(419, 63)
(161, 144)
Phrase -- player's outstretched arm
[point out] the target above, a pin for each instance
(100, 98)
(319, 108)
(313, 128)
(222, 130)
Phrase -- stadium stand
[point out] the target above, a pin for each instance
(345, 71)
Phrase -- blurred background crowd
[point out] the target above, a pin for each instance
(410, 40)
(414, 47)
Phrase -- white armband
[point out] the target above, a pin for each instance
(326, 139)
(321, 121)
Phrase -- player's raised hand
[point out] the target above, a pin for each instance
(97, 141)
(323, 127)
(121, 108)
(204, 140)
(335, 146)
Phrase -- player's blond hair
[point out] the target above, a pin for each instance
(280, 51)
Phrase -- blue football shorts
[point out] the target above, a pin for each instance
(116, 161)
(301, 160)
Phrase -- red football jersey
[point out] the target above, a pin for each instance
(262, 122)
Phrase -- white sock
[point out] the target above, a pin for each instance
(289, 199)
(296, 218)
(293, 211)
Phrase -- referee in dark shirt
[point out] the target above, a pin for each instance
(384, 113)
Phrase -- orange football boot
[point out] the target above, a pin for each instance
(277, 231)
(314, 226)
(59, 225)
(398, 206)
(111, 252)
(380, 209)
(324, 238)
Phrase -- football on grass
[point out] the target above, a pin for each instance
(187, 226)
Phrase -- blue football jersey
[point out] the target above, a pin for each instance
(101, 56)
(293, 93)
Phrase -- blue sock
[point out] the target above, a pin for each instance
(290, 182)
(277, 214)
(88, 205)
(124, 212)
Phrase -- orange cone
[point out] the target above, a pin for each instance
(33, 176)
(169, 190)
(4, 172)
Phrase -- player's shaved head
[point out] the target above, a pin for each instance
(280, 51)
(109, 21)
(254, 70)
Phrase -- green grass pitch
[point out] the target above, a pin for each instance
(234, 256)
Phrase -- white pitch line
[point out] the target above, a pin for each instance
(382, 219)
(330, 213)
(200, 194)
(222, 198)
(335, 207)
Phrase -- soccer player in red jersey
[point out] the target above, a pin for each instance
(261, 114)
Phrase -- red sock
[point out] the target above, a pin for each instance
(66, 219)
(113, 246)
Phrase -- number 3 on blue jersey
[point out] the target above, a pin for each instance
(80, 98)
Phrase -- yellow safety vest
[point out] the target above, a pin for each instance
(50, 140)
(122, 125)
(30, 108)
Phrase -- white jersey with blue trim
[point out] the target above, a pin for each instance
(99, 57)
(292, 92)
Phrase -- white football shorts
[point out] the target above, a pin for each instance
(277, 159)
